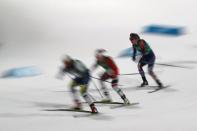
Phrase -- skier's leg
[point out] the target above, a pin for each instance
(118, 90)
(141, 71)
(151, 72)
(104, 77)
(83, 91)
(76, 100)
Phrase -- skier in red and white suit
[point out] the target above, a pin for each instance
(111, 72)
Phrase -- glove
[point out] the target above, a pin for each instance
(111, 73)
(133, 58)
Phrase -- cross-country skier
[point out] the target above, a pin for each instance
(80, 77)
(111, 72)
(148, 58)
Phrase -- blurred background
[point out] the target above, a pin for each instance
(36, 33)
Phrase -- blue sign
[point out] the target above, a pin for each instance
(22, 72)
(164, 30)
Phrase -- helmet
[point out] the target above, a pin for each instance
(134, 36)
(66, 58)
(100, 52)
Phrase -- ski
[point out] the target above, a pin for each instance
(85, 115)
(103, 102)
(155, 90)
(71, 110)
(124, 105)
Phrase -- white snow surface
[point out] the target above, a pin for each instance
(39, 32)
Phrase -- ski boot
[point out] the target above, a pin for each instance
(93, 109)
(76, 108)
(77, 105)
(124, 98)
(107, 98)
(160, 85)
(144, 83)
(126, 101)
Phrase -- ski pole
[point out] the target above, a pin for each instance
(92, 97)
(97, 88)
(129, 74)
(163, 64)
(103, 80)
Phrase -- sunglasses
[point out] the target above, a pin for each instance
(131, 38)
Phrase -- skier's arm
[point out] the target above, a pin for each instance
(142, 46)
(134, 53)
(112, 66)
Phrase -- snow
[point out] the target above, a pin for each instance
(38, 33)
